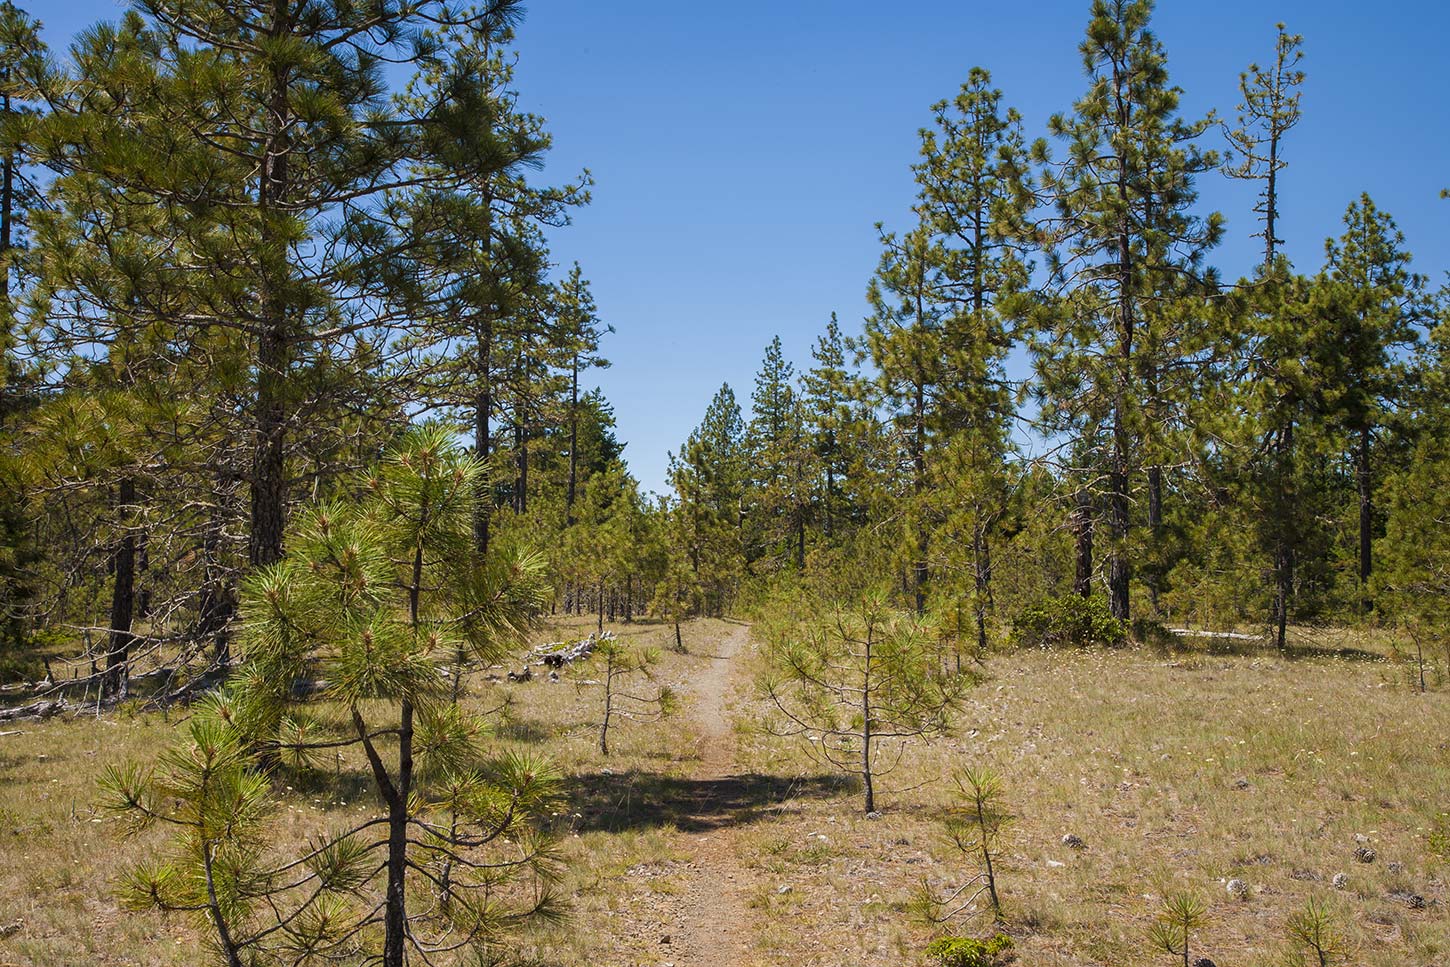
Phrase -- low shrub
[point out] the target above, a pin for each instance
(1071, 621)
(970, 952)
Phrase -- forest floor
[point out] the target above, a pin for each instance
(704, 840)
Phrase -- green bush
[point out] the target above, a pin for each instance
(970, 952)
(1071, 621)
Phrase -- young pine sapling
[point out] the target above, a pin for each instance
(344, 648)
(625, 671)
(975, 828)
(1181, 916)
(860, 683)
(1315, 932)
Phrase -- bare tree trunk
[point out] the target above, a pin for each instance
(1366, 518)
(482, 441)
(123, 596)
(1082, 528)
(573, 441)
(867, 780)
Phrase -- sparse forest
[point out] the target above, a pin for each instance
(1078, 603)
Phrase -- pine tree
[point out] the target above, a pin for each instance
(976, 191)
(377, 596)
(708, 475)
(778, 509)
(159, 139)
(1124, 240)
(1269, 110)
(1382, 320)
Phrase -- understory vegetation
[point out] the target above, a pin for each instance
(1081, 604)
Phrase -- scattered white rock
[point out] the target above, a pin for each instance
(1238, 888)
(1055, 863)
(1073, 841)
(873, 814)
(783, 890)
(1340, 881)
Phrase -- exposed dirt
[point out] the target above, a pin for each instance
(712, 913)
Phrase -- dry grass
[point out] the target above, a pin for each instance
(60, 855)
(1137, 753)
(1179, 773)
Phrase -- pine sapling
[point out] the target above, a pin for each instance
(975, 828)
(1181, 916)
(621, 665)
(1315, 931)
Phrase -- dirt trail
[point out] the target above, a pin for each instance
(713, 927)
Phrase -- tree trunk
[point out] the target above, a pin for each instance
(1155, 535)
(482, 443)
(123, 596)
(1082, 529)
(919, 467)
(629, 598)
(867, 780)
(395, 915)
(982, 566)
(1366, 518)
(573, 442)
(269, 481)
(1284, 537)
(269, 485)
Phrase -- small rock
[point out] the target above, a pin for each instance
(1241, 783)
(606, 771)
(783, 890)
(665, 939)
(1238, 888)
(1340, 881)
(1365, 854)
(1055, 863)
(1073, 841)
(1361, 838)
(1396, 868)
(1204, 962)
(873, 814)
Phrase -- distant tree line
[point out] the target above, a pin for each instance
(1259, 451)
(247, 245)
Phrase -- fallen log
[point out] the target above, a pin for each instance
(35, 710)
(1224, 635)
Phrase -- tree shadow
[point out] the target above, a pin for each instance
(634, 800)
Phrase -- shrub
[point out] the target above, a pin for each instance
(970, 952)
(1071, 621)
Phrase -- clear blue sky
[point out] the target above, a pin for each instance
(744, 151)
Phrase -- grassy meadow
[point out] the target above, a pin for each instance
(1179, 772)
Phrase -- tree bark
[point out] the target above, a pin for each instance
(123, 596)
(1082, 529)
(482, 444)
(1364, 483)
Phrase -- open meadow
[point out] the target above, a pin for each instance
(703, 839)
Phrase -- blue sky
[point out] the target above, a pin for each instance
(743, 152)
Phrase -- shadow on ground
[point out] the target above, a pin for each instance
(642, 800)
